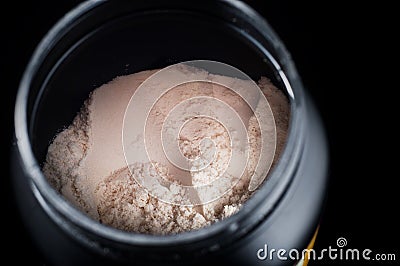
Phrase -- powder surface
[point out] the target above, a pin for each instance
(86, 162)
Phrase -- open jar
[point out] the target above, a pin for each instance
(100, 40)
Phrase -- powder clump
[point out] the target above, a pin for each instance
(86, 164)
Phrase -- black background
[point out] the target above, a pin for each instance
(347, 62)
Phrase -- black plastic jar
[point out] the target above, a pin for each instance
(99, 40)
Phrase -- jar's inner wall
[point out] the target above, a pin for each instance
(131, 44)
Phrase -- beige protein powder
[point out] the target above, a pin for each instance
(86, 163)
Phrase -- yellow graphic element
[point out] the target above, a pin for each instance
(304, 261)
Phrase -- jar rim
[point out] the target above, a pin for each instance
(57, 207)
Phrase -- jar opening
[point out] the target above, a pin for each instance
(62, 74)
